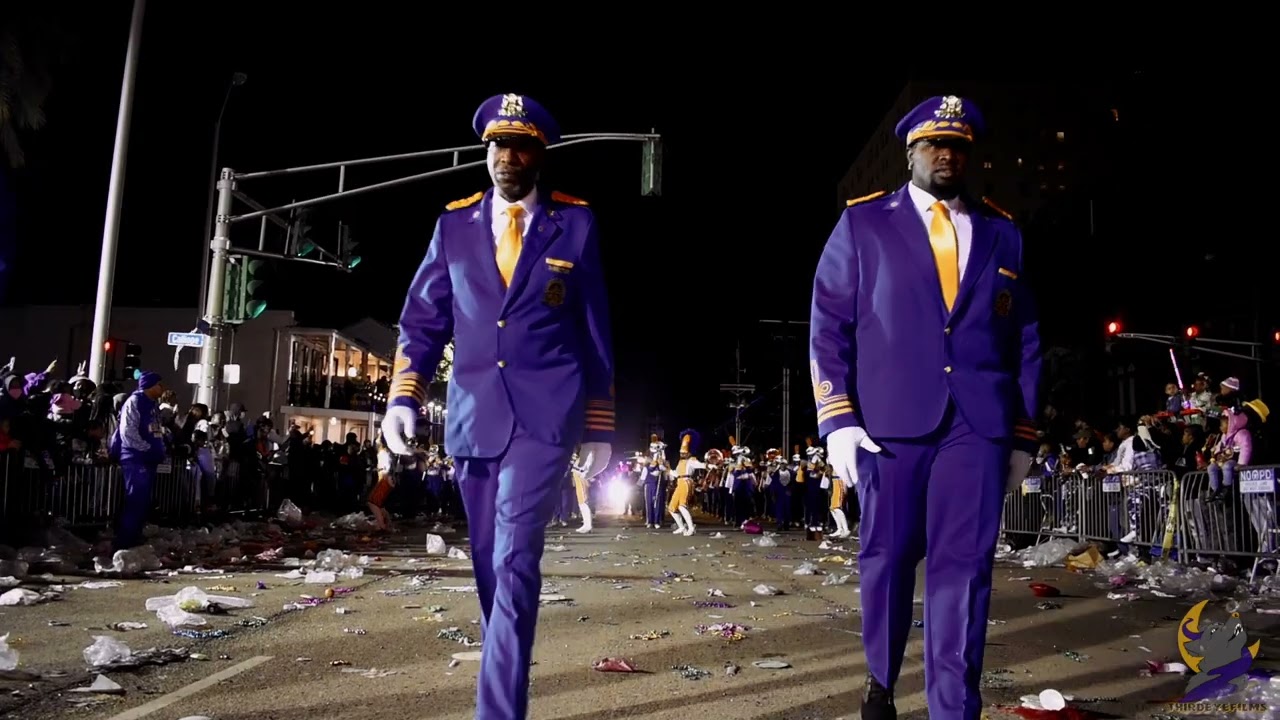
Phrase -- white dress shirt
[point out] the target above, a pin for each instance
(959, 218)
(499, 216)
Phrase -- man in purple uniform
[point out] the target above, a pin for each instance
(925, 359)
(514, 275)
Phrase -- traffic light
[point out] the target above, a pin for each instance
(1113, 328)
(347, 249)
(651, 168)
(106, 346)
(1275, 337)
(1191, 332)
(132, 361)
(255, 276)
(300, 229)
(233, 292)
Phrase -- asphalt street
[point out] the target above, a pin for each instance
(622, 592)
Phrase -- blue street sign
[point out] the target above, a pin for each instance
(178, 339)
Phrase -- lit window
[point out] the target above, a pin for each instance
(1062, 166)
(986, 164)
(1040, 167)
(1044, 186)
(1115, 113)
(1061, 136)
(1019, 162)
(1062, 187)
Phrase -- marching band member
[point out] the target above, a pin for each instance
(654, 478)
(838, 486)
(815, 500)
(386, 482)
(581, 487)
(952, 409)
(435, 478)
(514, 274)
(679, 507)
(744, 488)
(713, 481)
(779, 486)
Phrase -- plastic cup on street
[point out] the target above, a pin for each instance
(1052, 700)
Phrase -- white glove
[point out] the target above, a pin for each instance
(842, 452)
(398, 427)
(597, 456)
(1019, 464)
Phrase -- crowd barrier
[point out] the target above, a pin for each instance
(87, 495)
(1151, 511)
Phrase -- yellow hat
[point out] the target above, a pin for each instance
(1260, 408)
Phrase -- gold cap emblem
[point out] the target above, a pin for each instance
(512, 106)
(951, 108)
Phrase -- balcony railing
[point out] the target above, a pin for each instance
(343, 395)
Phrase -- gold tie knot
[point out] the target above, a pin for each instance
(942, 209)
(515, 211)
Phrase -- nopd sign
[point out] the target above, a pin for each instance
(1256, 480)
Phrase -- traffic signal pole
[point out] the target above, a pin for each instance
(1255, 355)
(221, 248)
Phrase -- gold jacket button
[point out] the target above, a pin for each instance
(502, 323)
(503, 363)
(946, 369)
(946, 331)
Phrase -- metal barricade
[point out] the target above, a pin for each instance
(1045, 506)
(1134, 510)
(1240, 521)
(83, 495)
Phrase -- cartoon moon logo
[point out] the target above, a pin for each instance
(1191, 622)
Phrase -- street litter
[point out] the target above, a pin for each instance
(771, 664)
(8, 656)
(614, 665)
(689, 672)
(102, 685)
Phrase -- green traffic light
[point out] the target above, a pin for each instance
(306, 248)
(254, 308)
(353, 262)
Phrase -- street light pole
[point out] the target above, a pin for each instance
(210, 354)
(115, 200)
(237, 79)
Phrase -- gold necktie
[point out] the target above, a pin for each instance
(942, 236)
(509, 244)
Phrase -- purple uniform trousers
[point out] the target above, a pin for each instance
(509, 501)
(939, 498)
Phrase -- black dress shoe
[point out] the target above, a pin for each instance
(877, 702)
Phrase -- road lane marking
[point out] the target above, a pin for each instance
(165, 701)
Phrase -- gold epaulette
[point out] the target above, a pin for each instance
(465, 202)
(999, 210)
(560, 197)
(864, 198)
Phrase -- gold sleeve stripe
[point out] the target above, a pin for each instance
(832, 399)
(1024, 434)
(600, 428)
(600, 403)
(834, 410)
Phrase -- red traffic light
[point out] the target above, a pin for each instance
(1275, 337)
(1113, 328)
(1192, 331)
(107, 345)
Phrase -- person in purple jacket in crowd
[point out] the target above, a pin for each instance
(512, 273)
(139, 443)
(925, 359)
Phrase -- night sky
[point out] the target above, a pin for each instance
(753, 153)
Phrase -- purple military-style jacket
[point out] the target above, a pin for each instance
(539, 353)
(886, 355)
